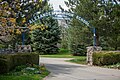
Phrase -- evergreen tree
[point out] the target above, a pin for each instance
(101, 14)
(79, 38)
(46, 38)
(46, 34)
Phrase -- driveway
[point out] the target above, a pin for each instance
(61, 70)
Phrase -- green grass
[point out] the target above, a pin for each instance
(114, 66)
(22, 77)
(24, 74)
(59, 56)
(65, 54)
(76, 59)
(79, 60)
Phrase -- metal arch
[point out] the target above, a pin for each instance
(65, 15)
(57, 14)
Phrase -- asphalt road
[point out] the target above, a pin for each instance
(61, 70)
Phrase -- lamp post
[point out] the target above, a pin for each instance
(94, 37)
(24, 29)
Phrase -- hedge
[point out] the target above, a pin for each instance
(106, 58)
(10, 61)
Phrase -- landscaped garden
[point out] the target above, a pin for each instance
(21, 66)
(26, 72)
(29, 30)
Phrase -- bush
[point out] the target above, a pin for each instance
(78, 50)
(63, 51)
(106, 58)
(4, 66)
(10, 61)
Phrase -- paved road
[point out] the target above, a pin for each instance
(61, 70)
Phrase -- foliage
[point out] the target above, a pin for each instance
(114, 66)
(78, 38)
(78, 50)
(106, 58)
(7, 18)
(2, 46)
(9, 61)
(46, 37)
(63, 51)
(101, 14)
(14, 15)
(26, 72)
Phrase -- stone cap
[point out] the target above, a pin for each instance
(97, 48)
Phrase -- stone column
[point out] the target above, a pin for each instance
(23, 48)
(90, 51)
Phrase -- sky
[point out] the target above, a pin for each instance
(56, 4)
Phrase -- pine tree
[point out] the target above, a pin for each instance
(46, 37)
(45, 34)
(101, 14)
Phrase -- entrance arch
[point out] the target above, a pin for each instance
(65, 15)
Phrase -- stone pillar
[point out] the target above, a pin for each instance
(90, 51)
(23, 48)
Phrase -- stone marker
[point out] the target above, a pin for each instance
(90, 51)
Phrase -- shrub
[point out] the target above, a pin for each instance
(106, 58)
(63, 51)
(78, 50)
(10, 61)
(4, 66)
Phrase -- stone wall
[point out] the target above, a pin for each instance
(90, 51)
(23, 48)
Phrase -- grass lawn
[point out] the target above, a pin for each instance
(79, 60)
(22, 77)
(23, 73)
(76, 59)
(60, 56)
(65, 54)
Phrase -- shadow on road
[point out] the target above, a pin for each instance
(62, 69)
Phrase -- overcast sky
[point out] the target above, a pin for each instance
(56, 4)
